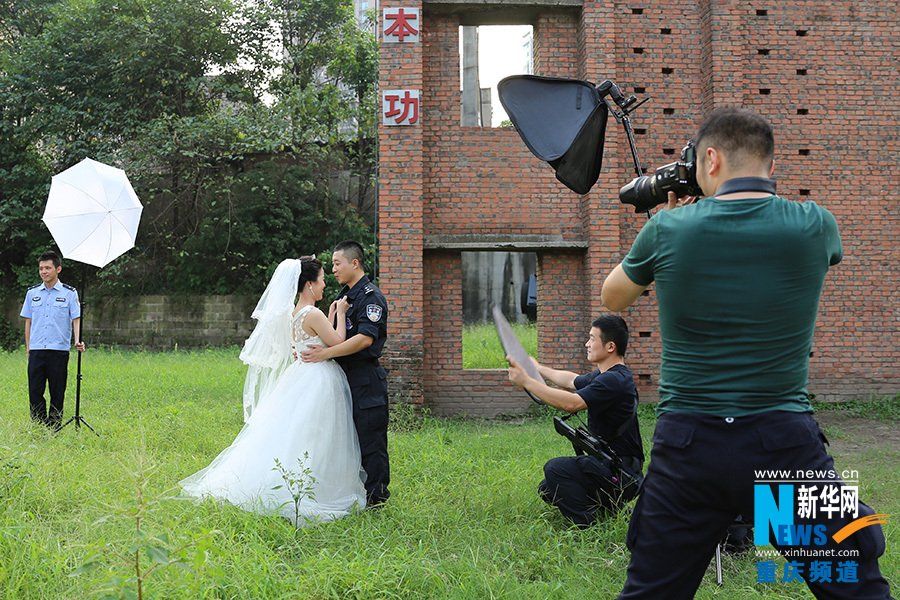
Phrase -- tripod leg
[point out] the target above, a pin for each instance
(86, 424)
(719, 564)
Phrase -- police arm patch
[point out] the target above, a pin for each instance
(373, 311)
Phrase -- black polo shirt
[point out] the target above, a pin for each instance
(611, 400)
(368, 315)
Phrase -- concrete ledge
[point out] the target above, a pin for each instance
(501, 242)
(499, 12)
(505, 3)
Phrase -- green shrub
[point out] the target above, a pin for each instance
(406, 416)
(10, 336)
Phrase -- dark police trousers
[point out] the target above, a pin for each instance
(701, 476)
(47, 367)
(585, 488)
(370, 415)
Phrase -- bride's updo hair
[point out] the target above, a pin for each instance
(309, 270)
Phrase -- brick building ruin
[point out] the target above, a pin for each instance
(822, 73)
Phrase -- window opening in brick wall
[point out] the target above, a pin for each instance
(487, 54)
(509, 280)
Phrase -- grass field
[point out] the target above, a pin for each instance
(464, 520)
(481, 345)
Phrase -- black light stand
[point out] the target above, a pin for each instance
(77, 418)
(620, 108)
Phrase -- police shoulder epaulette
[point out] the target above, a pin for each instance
(369, 289)
(36, 286)
(68, 287)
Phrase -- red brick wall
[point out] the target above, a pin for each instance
(464, 180)
(482, 180)
(400, 221)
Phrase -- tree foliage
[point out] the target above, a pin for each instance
(232, 119)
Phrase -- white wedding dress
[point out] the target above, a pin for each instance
(308, 410)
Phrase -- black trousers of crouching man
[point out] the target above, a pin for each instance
(585, 488)
(47, 368)
(701, 476)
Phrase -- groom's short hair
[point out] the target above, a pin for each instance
(352, 250)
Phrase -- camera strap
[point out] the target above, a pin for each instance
(746, 184)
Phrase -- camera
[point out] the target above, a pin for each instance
(584, 442)
(680, 177)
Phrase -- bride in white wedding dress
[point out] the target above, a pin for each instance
(293, 410)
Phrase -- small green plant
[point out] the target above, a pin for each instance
(145, 553)
(301, 484)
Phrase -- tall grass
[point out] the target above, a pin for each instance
(482, 349)
(464, 520)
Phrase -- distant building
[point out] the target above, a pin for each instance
(361, 7)
(528, 49)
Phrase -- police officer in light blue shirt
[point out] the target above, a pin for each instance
(52, 314)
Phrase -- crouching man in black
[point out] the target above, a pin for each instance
(586, 488)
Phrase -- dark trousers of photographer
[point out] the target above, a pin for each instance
(585, 488)
(702, 474)
(47, 368)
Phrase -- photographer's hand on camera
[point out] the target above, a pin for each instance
(676, 202)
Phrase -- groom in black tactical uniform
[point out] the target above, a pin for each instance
(358, 356)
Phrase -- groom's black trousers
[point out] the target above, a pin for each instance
(371, 427)
(368, 386)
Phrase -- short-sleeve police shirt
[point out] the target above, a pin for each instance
(368, 314)
(611, 399)
(51, 312)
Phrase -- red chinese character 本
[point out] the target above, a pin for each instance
(401, 26)
(407, 102)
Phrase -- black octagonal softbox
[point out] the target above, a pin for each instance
(562, 121)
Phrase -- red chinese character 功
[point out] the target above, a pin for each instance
(408, 103)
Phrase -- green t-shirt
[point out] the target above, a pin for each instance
(738, 285)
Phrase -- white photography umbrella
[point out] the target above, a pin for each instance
(92, 213)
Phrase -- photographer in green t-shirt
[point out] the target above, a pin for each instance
(738, 277)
